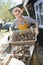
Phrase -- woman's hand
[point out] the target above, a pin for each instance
(36, 31)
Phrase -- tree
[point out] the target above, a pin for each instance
(4, 11)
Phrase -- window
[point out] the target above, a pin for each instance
(42, 19)
(38, 6)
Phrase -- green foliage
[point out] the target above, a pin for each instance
(4, 11)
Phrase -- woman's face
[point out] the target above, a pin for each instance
(17, 14)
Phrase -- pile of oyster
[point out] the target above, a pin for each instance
(22, 53)
(25, 36)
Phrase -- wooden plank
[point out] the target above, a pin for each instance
(31, 42)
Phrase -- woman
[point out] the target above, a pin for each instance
(21, 22)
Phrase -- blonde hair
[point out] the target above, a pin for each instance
(17, 8)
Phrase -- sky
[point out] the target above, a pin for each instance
(17, 1)
(13, 1)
